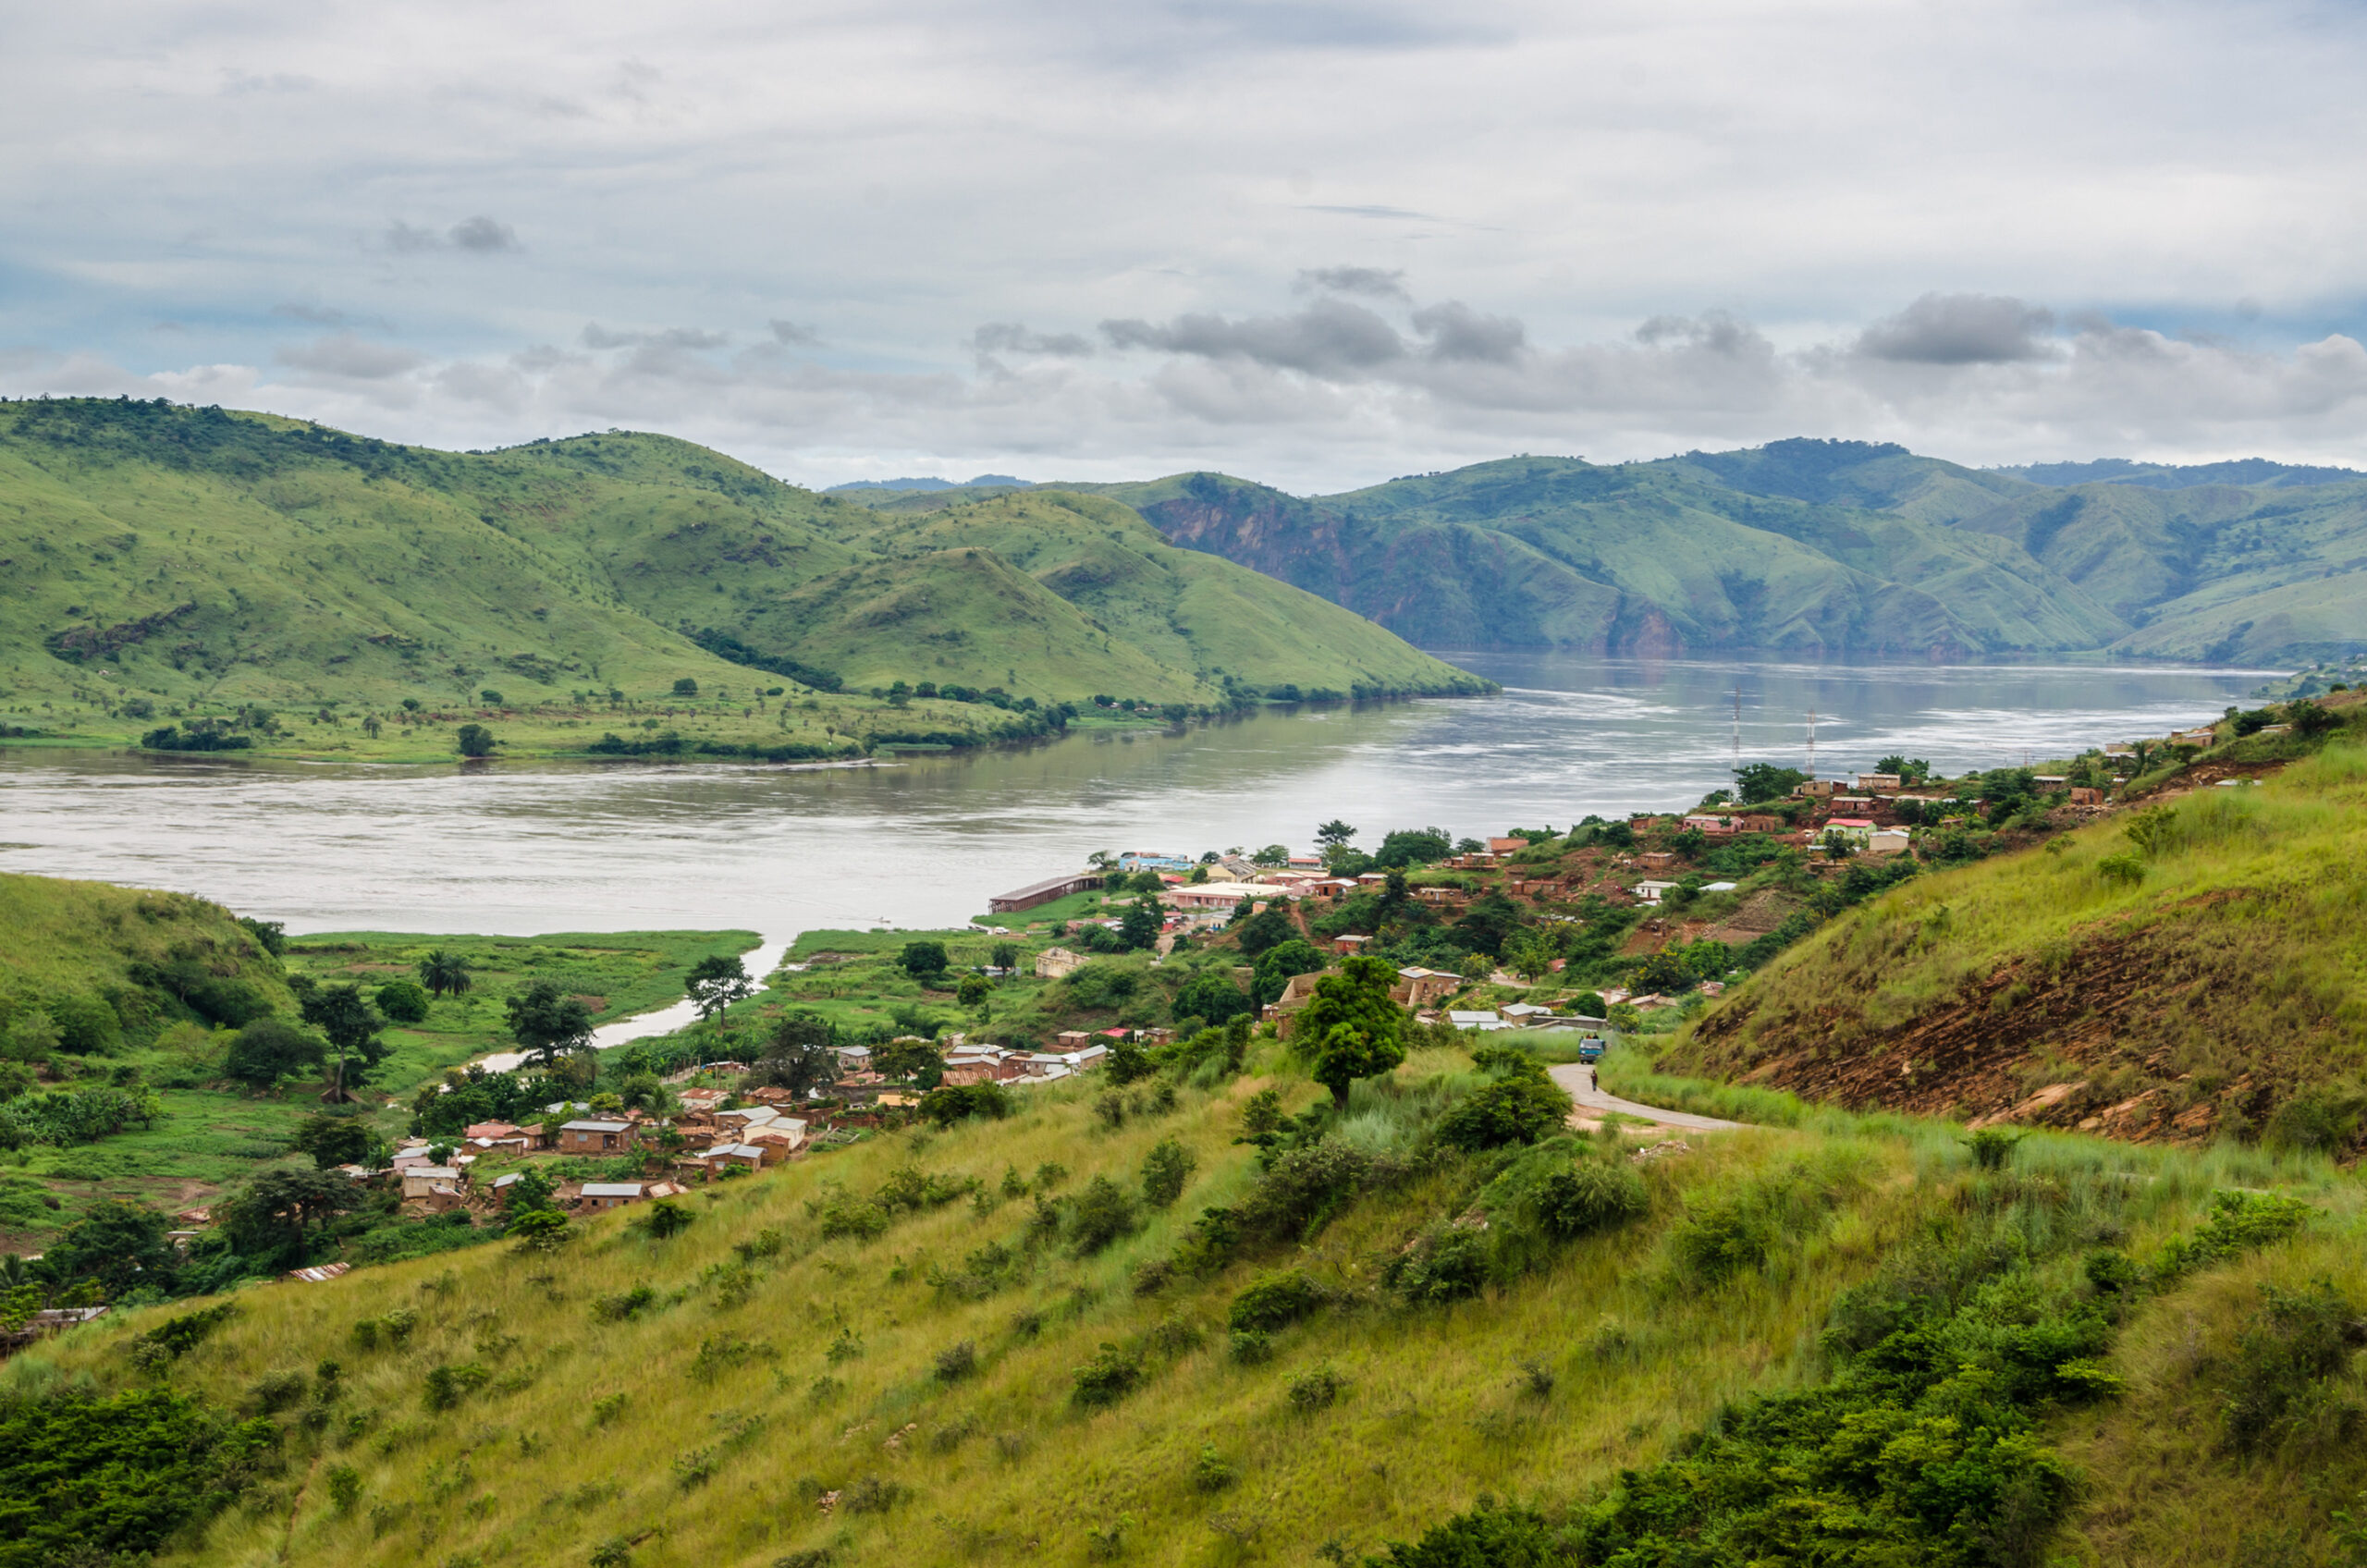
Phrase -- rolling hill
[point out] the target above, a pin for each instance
(1807, 548)
(176, 557)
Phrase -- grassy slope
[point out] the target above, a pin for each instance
(320, 568)
(59, 935)
(2190, 1005)
(1002, 1466)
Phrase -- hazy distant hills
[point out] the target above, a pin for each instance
(198, 554)
(1810, 549)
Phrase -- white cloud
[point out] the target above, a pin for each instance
(1331, 238)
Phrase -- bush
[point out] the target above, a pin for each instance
(1446, 1263)
(1519, 1110)
(1590, 1198)
(1212, 1471)
(951, 1103)
(1101, 1215)
(1166, 1168)
(449, 1386)
(1302, 1190)
(1252, 1347)
(1992, 1147)
(1317, 1389)
(405, 1001)
(874, 1494)
(2294, 1344)
(2121, 869)
(664, 1218)
(473, 741)
(957, 1362)
(1110, 1376)
(1277, 1301)
(624, 1304)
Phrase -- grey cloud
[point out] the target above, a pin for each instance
(1458, 332)
(349, 357)
(690, 338)
(1329, 337)
(483, 235)
(1013, 338)
(1369, 211)
(478, 236)
(322, 316)
(1376, 282)
(1961, 329)
(793, 334)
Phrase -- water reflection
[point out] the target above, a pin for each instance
(925, 841)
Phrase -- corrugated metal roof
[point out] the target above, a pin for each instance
(612, 1189)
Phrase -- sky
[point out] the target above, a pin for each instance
(1313, 243)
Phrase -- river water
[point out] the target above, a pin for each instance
(923, 842)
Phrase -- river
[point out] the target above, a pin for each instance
(923, 841)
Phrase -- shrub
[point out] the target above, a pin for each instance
(617, 1308)
(449, 1386)
(951, 1103)
(844, 1215)
(695, 1468)
(473, 741)
(2293, 1345)
(1302, 1190)
(1101, 1215)
(1277, 1301)
(957, 1362)
(1110, 1376)
(1446, 1263)
(1166, 1168)
(1111, 1109)
(1992, 1147)
(1590, 1198)
(1519, 1110)
(540, 1229)
(664, 1218)
(2121, 869)
(405, 1001)
(345, 1487)
(874, 1494)
(1212, 1471)
(1317, 1389)
(1252, 1347)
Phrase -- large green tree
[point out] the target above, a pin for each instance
(351, 1024)
(275, 1216)
(336, 1140)
(716, 981)
(799, 1056)
(547, 1023)
(1350, 1028)
(269, 1049)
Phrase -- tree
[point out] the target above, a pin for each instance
(1759, 781)
(1530, 953)
(279, 1210)
(1334, 835)
(1347, 1053)
(1275, 968)
(908, 1058)
(269, 1049)
(1166, 1169)
(1521, 1107)
(1213, 998)
(473, 741)
(923, 960)
(1414, 846)
(335, 1140)
(686, 686)
(1149, 882)
(1910, 770)
(974, 990)
(547, 1023)
(1139, 926)
(445, 974)
(1269, 927)
(405, 1001)
(1354, 1028)
(118, 1244)
(798, 1056)
(1005, 955)
(1272, 854)
(270, 934)
(716, 981)
(351, 1025)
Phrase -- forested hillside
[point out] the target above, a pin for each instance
(159, 560)
(1810, 549)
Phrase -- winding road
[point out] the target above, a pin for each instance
(1579, 1079)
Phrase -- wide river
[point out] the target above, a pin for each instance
(522, 850)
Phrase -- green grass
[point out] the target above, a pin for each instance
(1437, 1405)
(199, 563)
(2212, 976)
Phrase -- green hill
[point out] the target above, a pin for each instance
(160, 558)
(1810, 548)
(1845, 1343)
(2187, 972)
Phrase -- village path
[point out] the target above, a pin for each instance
(1579, 1079)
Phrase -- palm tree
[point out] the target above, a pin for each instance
(445, 974)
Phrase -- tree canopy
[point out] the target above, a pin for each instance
(1351, 1027)
(269, 1049)
(547, 1023)
(445, 974)
(351, 1024)
(716, 981)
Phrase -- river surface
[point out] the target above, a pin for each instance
(923, 842)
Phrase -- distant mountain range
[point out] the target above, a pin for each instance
(1810, 550)
(984, 481)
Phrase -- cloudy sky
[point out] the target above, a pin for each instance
(1318, 242)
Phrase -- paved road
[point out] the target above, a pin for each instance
(1579, 1079)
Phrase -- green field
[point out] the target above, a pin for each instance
(322, 595)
